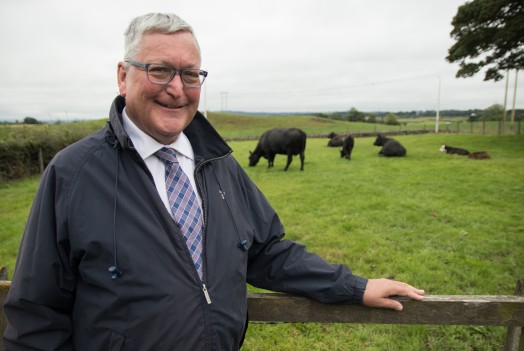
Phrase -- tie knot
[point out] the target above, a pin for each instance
(166, 155)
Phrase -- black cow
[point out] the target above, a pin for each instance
(347, 147)
(454, 150)
(283, 141)
(335, 140)
(390, 147)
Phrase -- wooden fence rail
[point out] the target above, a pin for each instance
(487, 310)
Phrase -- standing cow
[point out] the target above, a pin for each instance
(283, 141)
(390, 147)
(347, 147)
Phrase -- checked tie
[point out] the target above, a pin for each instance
(184, 205)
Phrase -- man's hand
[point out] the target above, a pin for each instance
(378, 291)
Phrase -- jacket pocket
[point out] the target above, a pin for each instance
(115, 342)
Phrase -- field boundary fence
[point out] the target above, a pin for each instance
(484, 310)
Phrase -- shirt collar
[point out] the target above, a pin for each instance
(146, 146)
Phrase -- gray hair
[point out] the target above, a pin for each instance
(165, 23)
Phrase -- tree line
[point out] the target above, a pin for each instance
(493, 113)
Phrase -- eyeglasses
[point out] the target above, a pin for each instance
(163, 74)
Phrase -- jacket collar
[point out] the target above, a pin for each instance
(207, 143)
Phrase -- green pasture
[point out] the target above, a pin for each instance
(447, 224)
(444, 223)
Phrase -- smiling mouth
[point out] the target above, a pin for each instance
(169, 106)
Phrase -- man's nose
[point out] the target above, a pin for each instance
(176, 84)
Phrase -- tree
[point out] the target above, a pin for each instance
(30, 120)
(355, 115)
(493, 113)
(391, 119)
(488, 33)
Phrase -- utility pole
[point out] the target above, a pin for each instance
(438, 107)
(504, 112)
(223, 95)
(514, 98)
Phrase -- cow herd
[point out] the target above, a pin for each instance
(292, 141)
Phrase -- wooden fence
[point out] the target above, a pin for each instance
(487, 310)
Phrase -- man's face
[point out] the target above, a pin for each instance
(162, 111)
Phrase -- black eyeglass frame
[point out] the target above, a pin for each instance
(175, 71)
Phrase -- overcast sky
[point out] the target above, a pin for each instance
(59, 57)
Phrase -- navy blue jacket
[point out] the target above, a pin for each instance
(97, 208)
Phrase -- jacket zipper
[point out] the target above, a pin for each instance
(204, 209)
(206, 294)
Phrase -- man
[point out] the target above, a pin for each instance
(105, 262)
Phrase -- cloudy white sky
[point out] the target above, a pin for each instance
(59, 57)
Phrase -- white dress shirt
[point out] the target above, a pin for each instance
(146, 147)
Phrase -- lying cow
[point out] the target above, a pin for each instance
(335, 140)
(347, 147)
(390, 147)
(283, 141)
(453, 150)
(479, 155)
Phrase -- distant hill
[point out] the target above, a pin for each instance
(403, 114)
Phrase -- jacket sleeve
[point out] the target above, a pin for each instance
(286, 266)
(40, 300)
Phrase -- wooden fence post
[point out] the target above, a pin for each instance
(514, 337)
(4, 287)
(41, 160)
(3, 273)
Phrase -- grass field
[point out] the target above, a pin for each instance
(447, 224)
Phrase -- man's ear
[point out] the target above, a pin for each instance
(121, 76)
